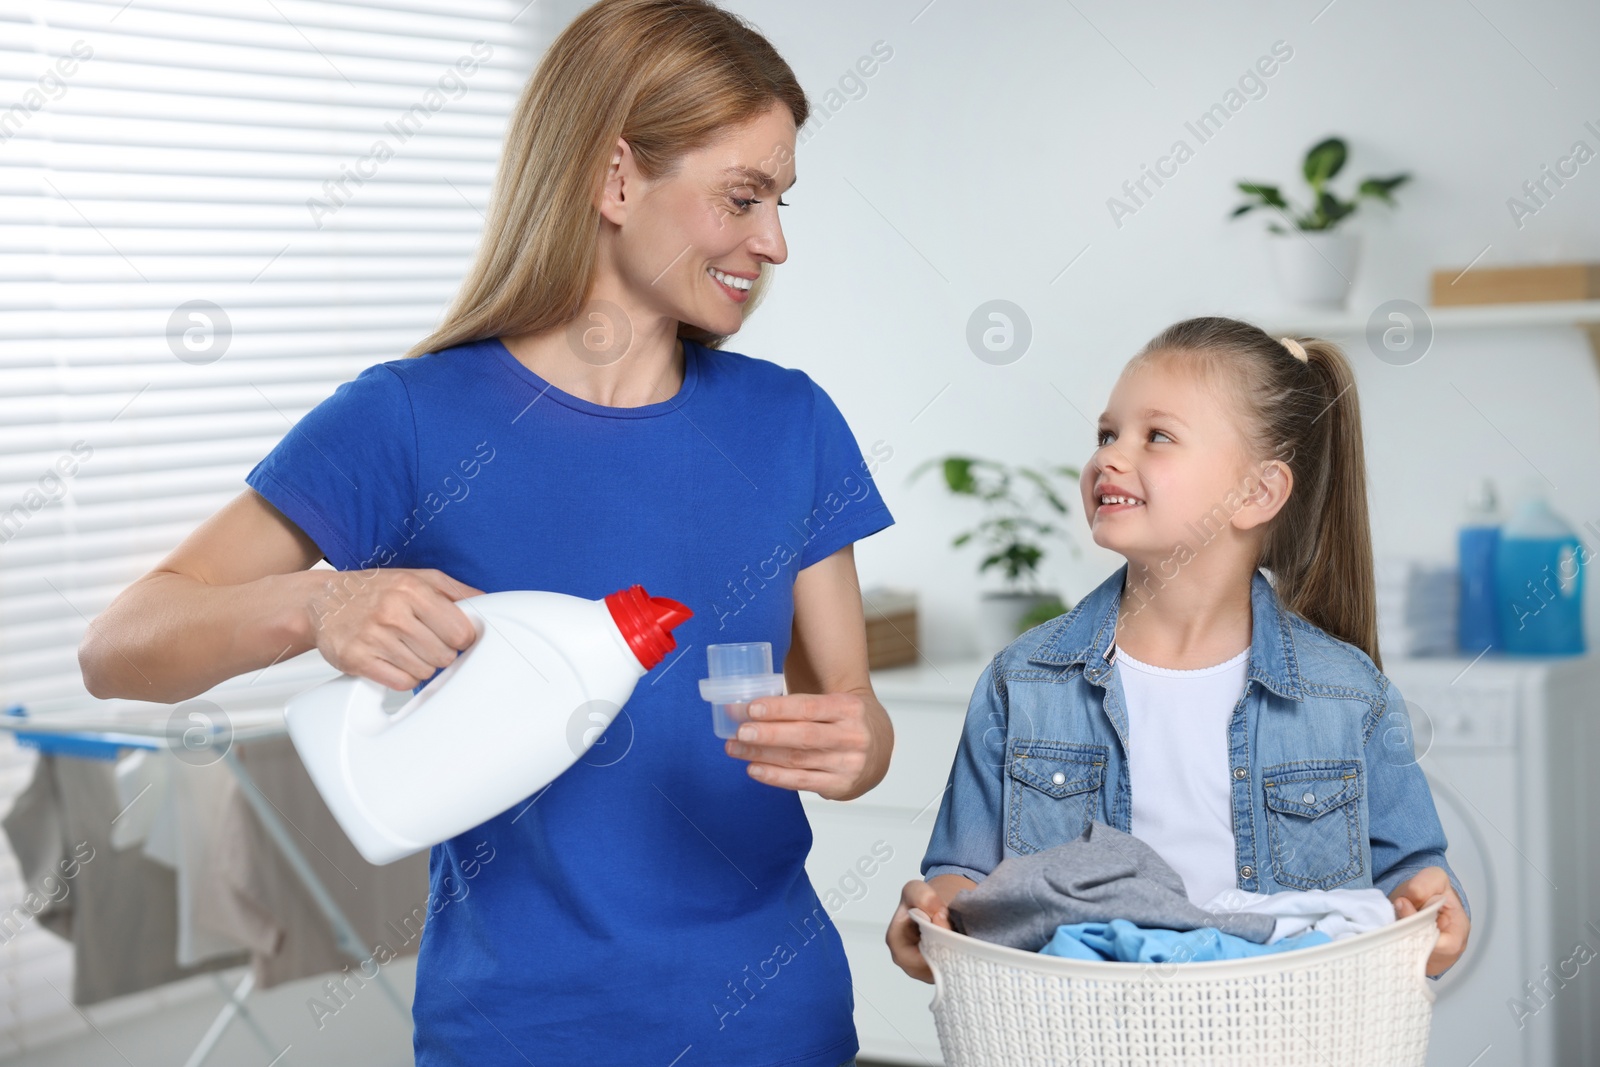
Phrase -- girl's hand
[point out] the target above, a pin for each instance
(395, 626)
(1415, 893)
(904, 936)
(834, 744)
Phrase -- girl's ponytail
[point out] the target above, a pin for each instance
(1320, 554)
(1300, 398)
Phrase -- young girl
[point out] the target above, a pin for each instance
(1244, 729)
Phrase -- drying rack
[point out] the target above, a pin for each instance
(92, 734)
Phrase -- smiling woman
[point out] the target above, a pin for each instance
(653, 83)
(631, 229)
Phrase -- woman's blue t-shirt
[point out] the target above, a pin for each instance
(651, 904)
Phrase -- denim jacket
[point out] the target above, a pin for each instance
(1325, 789)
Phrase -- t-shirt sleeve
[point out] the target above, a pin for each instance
(846, 504)
(346, 472)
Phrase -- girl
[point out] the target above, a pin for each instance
(1243, 728)
(654, 898)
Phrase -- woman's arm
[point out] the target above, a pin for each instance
(830, 734)
(229, 599)
(237, 596)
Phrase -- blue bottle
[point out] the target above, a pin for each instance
(1539, 583)
(1477, 624)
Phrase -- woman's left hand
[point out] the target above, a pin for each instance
(1415, 893)
(834, 744)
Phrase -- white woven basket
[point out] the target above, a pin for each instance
(1363, 1001)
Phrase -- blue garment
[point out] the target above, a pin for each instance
(1324, 787)
(654, 896)
(1119, 939)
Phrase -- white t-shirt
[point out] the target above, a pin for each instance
(1178, 766)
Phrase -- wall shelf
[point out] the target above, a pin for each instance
(1583, 314)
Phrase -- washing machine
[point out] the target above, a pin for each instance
(1508, 745)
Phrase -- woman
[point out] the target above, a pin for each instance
(573, 426)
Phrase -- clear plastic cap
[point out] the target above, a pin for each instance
(740, 672)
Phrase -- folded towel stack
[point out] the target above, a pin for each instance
(1417, 605)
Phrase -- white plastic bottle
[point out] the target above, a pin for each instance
(545, 676)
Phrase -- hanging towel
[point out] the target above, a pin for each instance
(183, 834)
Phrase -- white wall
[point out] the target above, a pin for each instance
(991, 142)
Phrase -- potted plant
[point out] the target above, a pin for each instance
(1013, 535)
(1316, 261)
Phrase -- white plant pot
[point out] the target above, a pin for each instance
(1315, 268)
(1000, 617)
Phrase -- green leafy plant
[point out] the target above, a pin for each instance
(1011, 531)
(1323, 162)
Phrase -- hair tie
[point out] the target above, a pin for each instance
(1294, 349)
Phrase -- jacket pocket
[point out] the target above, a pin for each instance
(1053, 792)
(1314, 822)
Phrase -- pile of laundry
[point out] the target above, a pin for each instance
(1110, 896)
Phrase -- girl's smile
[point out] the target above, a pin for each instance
(1112, 500)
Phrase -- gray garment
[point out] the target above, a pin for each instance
(1103, 875)
(118, 907)
(256, 897)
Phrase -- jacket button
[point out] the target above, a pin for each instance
(1247, 871)
(1240, 773)
(1058, 778)
(1309, 798)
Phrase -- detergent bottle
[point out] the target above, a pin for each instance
(1539, 567)
(545, 675)
(1477, 608)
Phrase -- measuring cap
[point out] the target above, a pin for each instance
(740, 673)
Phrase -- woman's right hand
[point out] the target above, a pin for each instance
(904, 936)
(396, 626)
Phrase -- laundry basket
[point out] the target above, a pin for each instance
(1362, 1001)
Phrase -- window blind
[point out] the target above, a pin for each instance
(211, 214)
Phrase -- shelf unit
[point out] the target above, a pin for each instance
(1583, 314)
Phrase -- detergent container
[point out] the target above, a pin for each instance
(1539, 583)
(545, 675)
(1477, 620)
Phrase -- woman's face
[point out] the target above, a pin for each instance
(1170, 442)
(717, 213)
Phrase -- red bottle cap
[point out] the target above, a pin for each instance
(646, 622)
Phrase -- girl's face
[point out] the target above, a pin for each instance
(716, 213)
(1170, 450)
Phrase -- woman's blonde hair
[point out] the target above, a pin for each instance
(668, 76)
(1306, 413)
